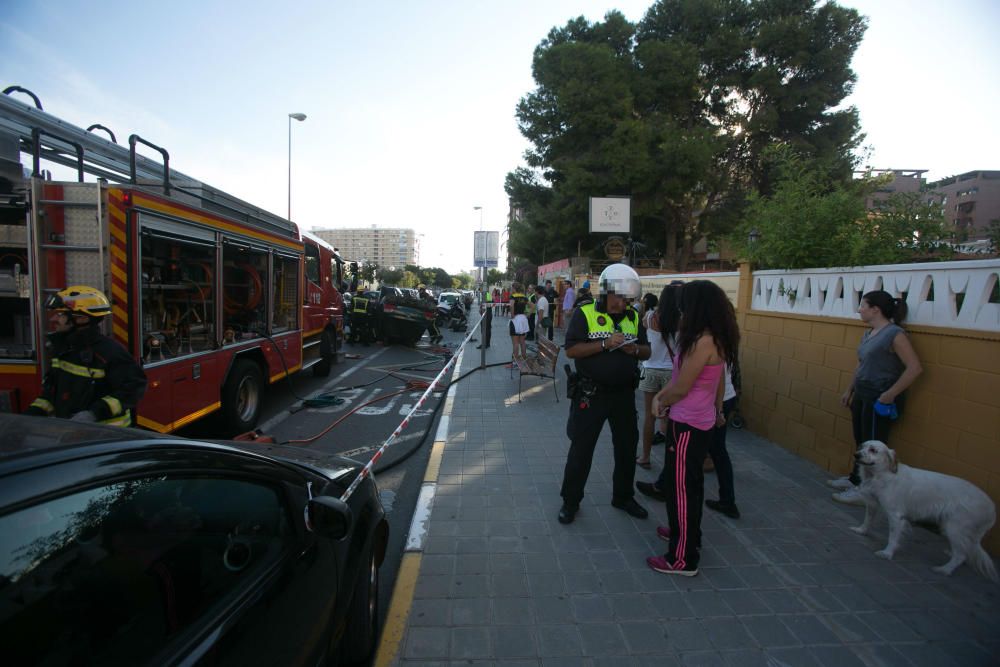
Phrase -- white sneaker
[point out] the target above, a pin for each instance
(851, 496)
(841, 483)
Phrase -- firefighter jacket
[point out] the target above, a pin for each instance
(90, 372)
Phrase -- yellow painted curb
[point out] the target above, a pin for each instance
(434, 462)
(399, 610)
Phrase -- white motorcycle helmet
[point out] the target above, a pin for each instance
(620, 279)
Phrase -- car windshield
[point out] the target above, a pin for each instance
(449, 298)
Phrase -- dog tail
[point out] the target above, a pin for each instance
(982, 563)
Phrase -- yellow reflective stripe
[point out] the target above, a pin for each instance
(114, 404)
(121, 420)
(43, 404)
(74, 369)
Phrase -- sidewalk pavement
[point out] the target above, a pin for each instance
(501, 582)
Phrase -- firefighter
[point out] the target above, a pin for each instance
(92, 378)
(361, 325)
(606, 340)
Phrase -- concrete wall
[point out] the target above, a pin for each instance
(796, 367)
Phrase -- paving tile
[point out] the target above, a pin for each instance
(836, 656)
(470, 643)
(559, 640)
(728, 634)
(513, 611)
(591, 608)
(687, 635)
(427, 643)
(809, 629)
(553, 610)
(708, 603)
(471, 611)
(644, 637)
(516, 641)
(602, 640)
(792, 657)
(430, 612)
(768, 631)
(702, 659)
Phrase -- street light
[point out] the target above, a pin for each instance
(299, 117)
(754, 236)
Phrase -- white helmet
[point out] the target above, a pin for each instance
(620, 279)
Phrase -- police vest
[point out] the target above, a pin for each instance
(600, 325)
(359, 305)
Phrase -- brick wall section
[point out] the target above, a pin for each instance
(795, 369)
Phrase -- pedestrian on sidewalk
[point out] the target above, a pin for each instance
(887, 366)
(544, 322)
(661, 326)
(531, 311)
(717, 452)
(569, 298)
(518, 330)
(707, 339)
(606, 340)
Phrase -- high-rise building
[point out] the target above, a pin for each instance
(387, 247)
(970, 201)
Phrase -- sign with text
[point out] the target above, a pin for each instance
(486, 250)
(611, 215)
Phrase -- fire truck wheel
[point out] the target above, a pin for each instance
(241, 396)
(327, 352)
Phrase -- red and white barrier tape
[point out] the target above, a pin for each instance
(367, 470)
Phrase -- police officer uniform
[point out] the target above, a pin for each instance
(604, 390)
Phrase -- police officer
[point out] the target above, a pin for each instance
(92, 378)
(606, 340)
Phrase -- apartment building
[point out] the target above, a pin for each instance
(387, 247)
(970, 200)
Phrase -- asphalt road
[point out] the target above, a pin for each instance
(376, 372)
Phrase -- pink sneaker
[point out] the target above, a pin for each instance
(661, 564)
(663, 532)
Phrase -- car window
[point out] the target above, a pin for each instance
(111, 574)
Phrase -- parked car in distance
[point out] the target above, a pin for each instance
(449, 298)
(122, 547)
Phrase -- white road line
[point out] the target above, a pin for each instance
(269, 425)
(421, 515)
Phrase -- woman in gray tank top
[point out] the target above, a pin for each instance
(887, 366)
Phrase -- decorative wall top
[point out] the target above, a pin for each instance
(959, 295)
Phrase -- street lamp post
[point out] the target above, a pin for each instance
(298, 117)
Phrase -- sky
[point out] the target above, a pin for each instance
(411, 105)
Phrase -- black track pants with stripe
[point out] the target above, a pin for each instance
(683, 480)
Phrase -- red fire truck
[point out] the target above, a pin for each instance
(215, 297)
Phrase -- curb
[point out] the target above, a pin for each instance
(409, 568)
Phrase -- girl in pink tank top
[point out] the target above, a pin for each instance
(707, 339)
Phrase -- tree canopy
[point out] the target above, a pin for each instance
(675, 112)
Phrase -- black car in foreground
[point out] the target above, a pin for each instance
(120, 547)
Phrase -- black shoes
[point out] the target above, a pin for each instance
(658, 438)
(479, 347)
(729, 509)
(567, 513)
(651, 490)
(631, 507)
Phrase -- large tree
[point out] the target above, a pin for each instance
(675, 111)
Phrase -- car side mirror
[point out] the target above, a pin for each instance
(330, 517)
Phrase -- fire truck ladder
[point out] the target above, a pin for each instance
(46, 137)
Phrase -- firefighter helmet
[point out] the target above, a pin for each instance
(620, 279)
(81, 300)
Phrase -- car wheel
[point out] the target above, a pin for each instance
(241, 396)
(327, 352)
(361, 633)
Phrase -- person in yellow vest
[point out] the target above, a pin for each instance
(606, 340)
(92, 378)
(361, 324)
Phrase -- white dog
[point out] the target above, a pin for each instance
(960, 509)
